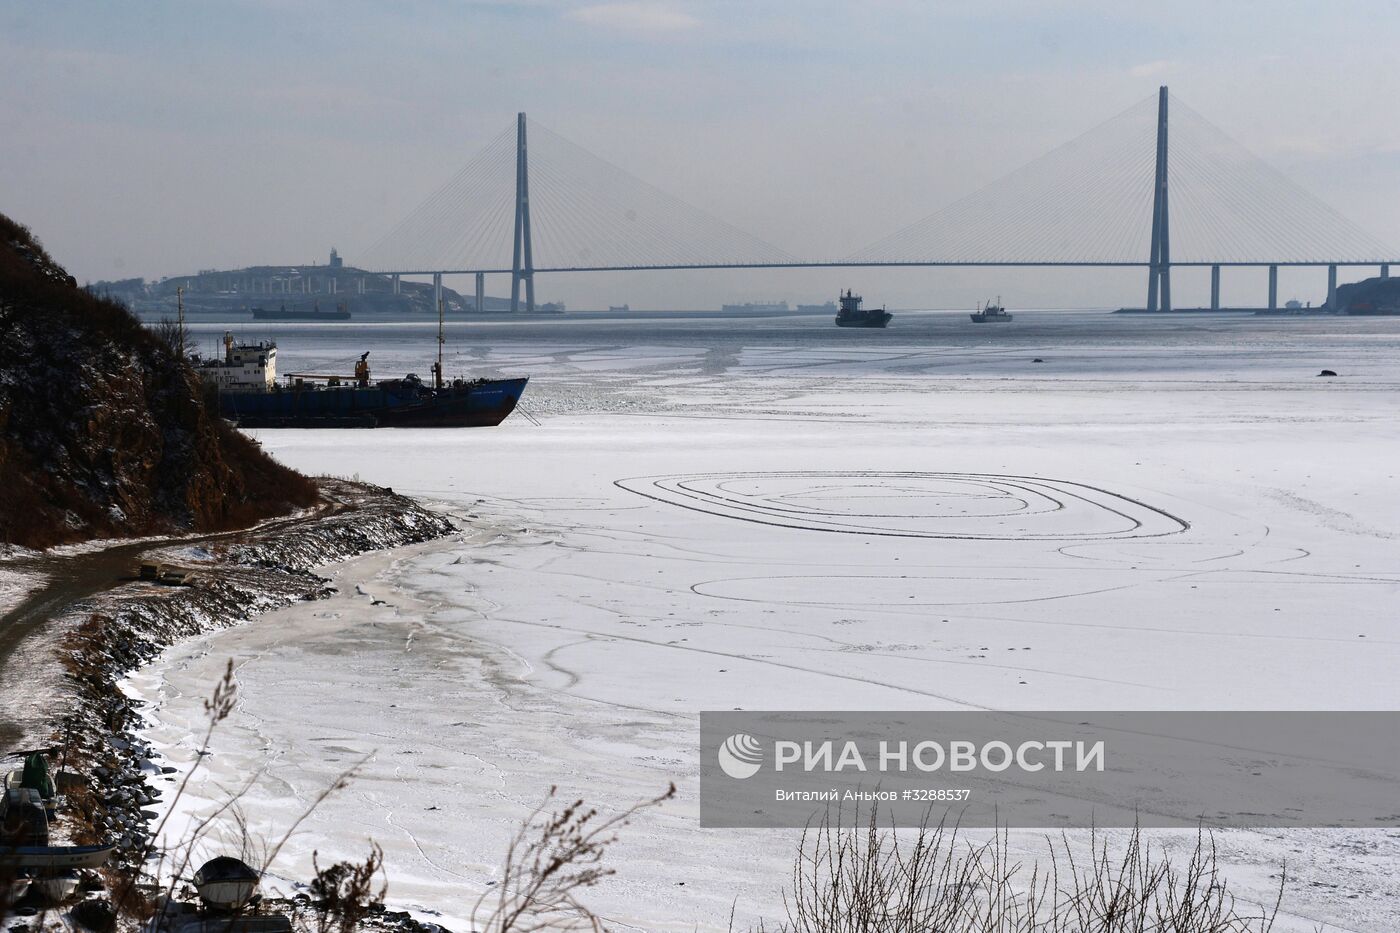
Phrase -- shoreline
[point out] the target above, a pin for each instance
(365, 582)
(91, 642)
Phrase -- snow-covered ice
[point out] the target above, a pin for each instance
(1161, 515)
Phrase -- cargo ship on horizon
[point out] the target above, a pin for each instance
(341, 313)
(853, 315)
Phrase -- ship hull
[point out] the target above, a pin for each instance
(484, 403)
(865, 320)
(262, 314)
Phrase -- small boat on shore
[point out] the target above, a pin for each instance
(55, 857)
(225, 883)
(228, 903)
(990, 313)
(24, 838)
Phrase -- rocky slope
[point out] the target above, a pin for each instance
(104, 432)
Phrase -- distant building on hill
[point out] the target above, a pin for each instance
(296, 288)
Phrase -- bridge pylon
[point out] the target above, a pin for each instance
(523, 263)
(1159, 271)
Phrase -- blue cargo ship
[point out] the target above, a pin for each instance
(251, 396)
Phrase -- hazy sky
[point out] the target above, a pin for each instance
(154, 138)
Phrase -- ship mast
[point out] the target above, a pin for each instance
(437, 367)
(180, 321)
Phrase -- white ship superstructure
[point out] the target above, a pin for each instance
(245, 367)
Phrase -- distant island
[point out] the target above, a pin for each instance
(294, 288)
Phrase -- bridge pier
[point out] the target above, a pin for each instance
(522, 272)
(396, 283)
(1273, 288)
(1385, 270)
(480, 292)
(1215, 288)
(1332, 287)
(1159, 273)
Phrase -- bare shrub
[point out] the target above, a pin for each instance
(859, 877)
(554, 857)
(344, 893)
(173, 335)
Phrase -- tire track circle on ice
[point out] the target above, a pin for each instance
(883, 503)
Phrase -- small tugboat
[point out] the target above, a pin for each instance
(251, 397)
(990, 313)
(853, 315)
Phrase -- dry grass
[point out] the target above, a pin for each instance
(849, 878)
(553, 858)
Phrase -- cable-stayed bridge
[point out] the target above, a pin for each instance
(1157, 186)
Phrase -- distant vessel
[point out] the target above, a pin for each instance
(756, 307)
(250, 396)
(828, 308)
(990, 313)
(312, 314)
(853, 315)
(618, 308)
